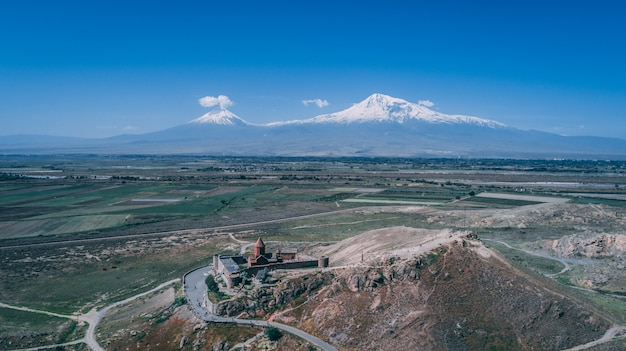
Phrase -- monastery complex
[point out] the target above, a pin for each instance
(230, 266)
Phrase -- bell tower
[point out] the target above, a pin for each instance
(259, 248)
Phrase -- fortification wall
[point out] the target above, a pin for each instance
(283, 265)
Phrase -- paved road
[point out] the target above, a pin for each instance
(195, 290)
(615, 332)
(314, 340)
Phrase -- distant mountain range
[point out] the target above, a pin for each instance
(378, 126)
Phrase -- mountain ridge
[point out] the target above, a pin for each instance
(383, 108)
(379, 126)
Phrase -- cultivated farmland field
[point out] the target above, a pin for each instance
(91, 230)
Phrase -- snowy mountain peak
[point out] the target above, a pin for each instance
(382, 99)
(220, 117)
(384, 108)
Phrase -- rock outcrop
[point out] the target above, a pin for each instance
(265, 299)
(594, 246)
(452, 298)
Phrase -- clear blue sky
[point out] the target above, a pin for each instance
(99, 68)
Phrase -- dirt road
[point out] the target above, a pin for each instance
(92, 317)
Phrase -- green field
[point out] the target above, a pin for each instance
(107, 231)
(383, 201)
(96, 274)
(599, 201)
(502, 202)
(532, 262)
(16, 329)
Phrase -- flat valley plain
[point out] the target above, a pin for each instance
(78, 232)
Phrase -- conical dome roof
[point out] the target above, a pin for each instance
(259, 243)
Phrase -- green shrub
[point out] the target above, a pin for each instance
(273, 333)
(211, 284)
(180, 300)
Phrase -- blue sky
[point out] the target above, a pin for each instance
(102, 68)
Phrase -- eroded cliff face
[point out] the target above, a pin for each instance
(453, 298)
(599, 260)
(594, 246)
(264, 300)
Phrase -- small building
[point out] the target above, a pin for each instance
(261, 258)
(287, 254)
(228, 267)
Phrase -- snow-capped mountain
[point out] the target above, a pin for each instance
(384, 108)
(220, 117)
(380, 125)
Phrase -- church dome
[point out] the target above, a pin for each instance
(259, 243)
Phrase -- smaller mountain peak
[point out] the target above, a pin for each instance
(220, 117)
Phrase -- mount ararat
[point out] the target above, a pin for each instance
(378, 126)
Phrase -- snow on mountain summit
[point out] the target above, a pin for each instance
(220, 117)
(378, 108)
(384, 108)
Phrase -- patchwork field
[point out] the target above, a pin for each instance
(91, 230)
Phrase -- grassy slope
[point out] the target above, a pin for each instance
(20, 329)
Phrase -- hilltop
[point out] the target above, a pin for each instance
(439, 290)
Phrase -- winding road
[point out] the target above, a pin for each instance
(92, 318)
(195, 290)
(616, 331)
(567, 263)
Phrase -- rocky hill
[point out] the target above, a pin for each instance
(457, 296)
(594, 246)
(607, 250)
(416, 289)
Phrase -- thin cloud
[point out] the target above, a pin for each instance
(426, 103)
(222, 100)
(318, 102)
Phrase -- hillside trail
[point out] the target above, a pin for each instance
(616, 329)
(92, 318)
(567, 265)
(614, 332)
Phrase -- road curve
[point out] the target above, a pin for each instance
(94, 317)
(195, 291)
(615, 332)
(314, 340)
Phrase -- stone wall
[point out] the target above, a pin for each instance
(284, 265)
